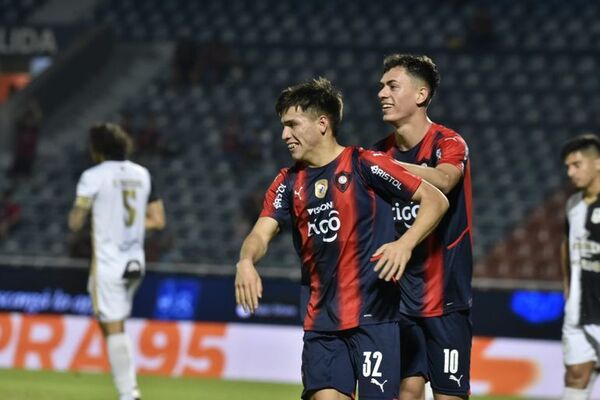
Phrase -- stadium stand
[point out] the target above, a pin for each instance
(515, 89)
(14, 12)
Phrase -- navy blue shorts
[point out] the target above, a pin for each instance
(369, 355)
(439, 349)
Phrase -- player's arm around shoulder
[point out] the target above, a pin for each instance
(248, 285)
(394, 256)
(395, 181)
(155, 215)
(433, 206)
(452, 154)
(443, 176)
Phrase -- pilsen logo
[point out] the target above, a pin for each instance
(342, 180)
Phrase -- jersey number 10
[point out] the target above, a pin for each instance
(450, 361)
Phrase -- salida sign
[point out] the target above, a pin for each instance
(27, 41)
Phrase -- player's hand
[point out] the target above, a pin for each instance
(393, 258)
(248, 286)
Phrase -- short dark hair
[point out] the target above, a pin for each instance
(418, 66)
(318, 96)
(111, 141)
(586, 141)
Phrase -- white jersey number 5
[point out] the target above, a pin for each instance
(129, 209)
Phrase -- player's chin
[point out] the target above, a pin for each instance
(387, 117)
(578, 185)
(296, 155)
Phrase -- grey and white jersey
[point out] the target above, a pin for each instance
(583, 230)
(119, 191)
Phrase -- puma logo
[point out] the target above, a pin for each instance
(374, 381)
(453, 378)
(298, 193)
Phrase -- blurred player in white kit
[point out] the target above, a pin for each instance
(123, 204)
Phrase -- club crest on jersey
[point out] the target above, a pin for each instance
(595, 219)
(321, 188)
(342, 180)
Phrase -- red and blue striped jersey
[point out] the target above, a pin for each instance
(340, 216)
(437, 279)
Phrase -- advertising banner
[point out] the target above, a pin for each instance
(500, 366)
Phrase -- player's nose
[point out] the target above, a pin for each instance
(285, 133)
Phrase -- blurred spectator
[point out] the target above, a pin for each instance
(12, 90)
(27, 129)
(231, 144)
(184, 62)
(253, 146)
(243, 146)
(250, 207)
(159, 245)
(10, 213)
(216, 62)
(480, 28)
(147, 139)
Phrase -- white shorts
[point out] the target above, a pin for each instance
(112, 299)
(581, 344)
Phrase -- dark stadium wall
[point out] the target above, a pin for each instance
(518, 313)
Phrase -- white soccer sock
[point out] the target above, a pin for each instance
(590, 385)
(120, 356)
(428, 391)
(575, 394)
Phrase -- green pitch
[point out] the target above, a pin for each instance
(44, 385)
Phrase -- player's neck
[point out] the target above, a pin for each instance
(590, 194)
(327, 154)
(409, 133)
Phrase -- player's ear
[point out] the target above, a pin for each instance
(323, 124)
(422, 95)
(597, 164)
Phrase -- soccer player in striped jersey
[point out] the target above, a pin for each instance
(581, 267)
(123, 204)
(436, 286)
(338, 201)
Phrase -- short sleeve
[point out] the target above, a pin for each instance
(277, 199)
(452, 150)
(387, 177)
(88, 185)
